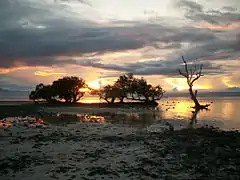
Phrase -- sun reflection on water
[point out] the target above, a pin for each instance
(90, 99)
(221, 109)
(224, 110)
(180, 108)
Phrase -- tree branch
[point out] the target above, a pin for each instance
(185, 64)
(181, 73)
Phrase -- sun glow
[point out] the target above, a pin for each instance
(95, 84)
(181, 84)
(83, 90)
(98, 83)
(227, 82)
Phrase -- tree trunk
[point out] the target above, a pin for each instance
(107, 100)
(194, 98)
(193, 121)
(74, 99)
(146, 98)
(121, 99)
(112, 101)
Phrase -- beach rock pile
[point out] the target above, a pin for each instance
(160, 127)
(31, 122)
(48, 118)
(90, 118)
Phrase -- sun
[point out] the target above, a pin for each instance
(179, 87)
(96, 84)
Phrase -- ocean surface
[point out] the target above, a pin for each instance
(224, 112)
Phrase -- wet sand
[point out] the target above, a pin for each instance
(111, 151)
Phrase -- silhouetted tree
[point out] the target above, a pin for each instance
(110, 93)
(124, 85)
(131, 88)
(94, 91)
(43, 92)
(142, 91)
(118, 90)
(68, 88)
(192, 75)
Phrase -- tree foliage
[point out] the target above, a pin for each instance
(142, 91)
(127, 87)
(131, 88)
(109, 93)
(42, 92)
(67, 89)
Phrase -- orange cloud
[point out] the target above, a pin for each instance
(7, 70)
(17, 65)
(224, 27)
(47, 73)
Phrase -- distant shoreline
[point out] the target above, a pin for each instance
(13, 96)
(206, 94)
(95, 99)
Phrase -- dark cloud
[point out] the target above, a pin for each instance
(76, 1)
(28, 31)
(216, 17)
(217, 50)
(158, 67)
(190, 6)
(229, 8)
(191, 35)
(35, 61)
(33, 34)
(195, 12)
(64, 39)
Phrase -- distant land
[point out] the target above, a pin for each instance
(13, 94)
(3, 90)
(13, 91)
(229, 92)
(204, 94)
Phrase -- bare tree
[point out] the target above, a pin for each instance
(192, 75)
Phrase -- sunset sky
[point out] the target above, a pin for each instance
(98, 40)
